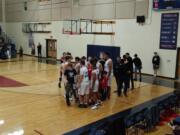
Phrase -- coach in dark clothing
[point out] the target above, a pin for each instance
(115, 70)
(138, 66)
(156, 63)
(123, 72)
(130, 68)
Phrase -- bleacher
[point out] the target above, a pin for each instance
(7, 48)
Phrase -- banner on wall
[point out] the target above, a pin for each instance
(169, 30)
(31, 40)
(96, 51)
(166, 4)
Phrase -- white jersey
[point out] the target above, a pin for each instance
(77, 67)
(95, 87)
(86, 63)
(63, 68)
(64, 64)
(106, 66)
(84, 73)
(96, 71)
(98, 65)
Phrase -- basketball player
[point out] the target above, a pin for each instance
(77, 67)
(63, 68)
(99, 66)
(77, 64)
(95, 86)
(83, 91)
(62, 60)
(108, 67)
(69, 77)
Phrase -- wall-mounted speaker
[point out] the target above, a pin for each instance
(141, 19)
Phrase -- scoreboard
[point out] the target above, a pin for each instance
(166, 4)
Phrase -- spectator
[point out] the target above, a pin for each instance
(21, 52)
(39, 48)
(156, 63)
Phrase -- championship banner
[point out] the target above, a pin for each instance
(166, 4)
(169, 30)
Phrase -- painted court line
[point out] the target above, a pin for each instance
(38, 132)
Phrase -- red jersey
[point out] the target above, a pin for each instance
(104, 82)
(62, 59)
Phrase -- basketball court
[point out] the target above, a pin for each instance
(35, 34)
(38, 106)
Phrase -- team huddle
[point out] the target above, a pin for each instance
(89, 80)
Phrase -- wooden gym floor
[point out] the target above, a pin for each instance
(39, 108)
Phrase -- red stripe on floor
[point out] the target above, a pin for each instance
(7, 82)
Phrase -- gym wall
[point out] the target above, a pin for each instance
(56, 10)
(0, 10)
(130, 37)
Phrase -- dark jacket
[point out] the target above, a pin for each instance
(130, 63)
(156, 60)
(137, 62)
(123, 71)
(116, 68)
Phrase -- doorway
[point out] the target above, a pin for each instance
(51, 48)
(178, 64)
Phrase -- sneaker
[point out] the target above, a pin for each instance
(119, 95)
(98, 103)
(125, 94)
(80, 105)
(85, 106)
(77, 100)
(91, 103)
(68, 104)
(171, 125)
(94, 107)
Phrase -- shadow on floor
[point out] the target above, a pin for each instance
(161, 81)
